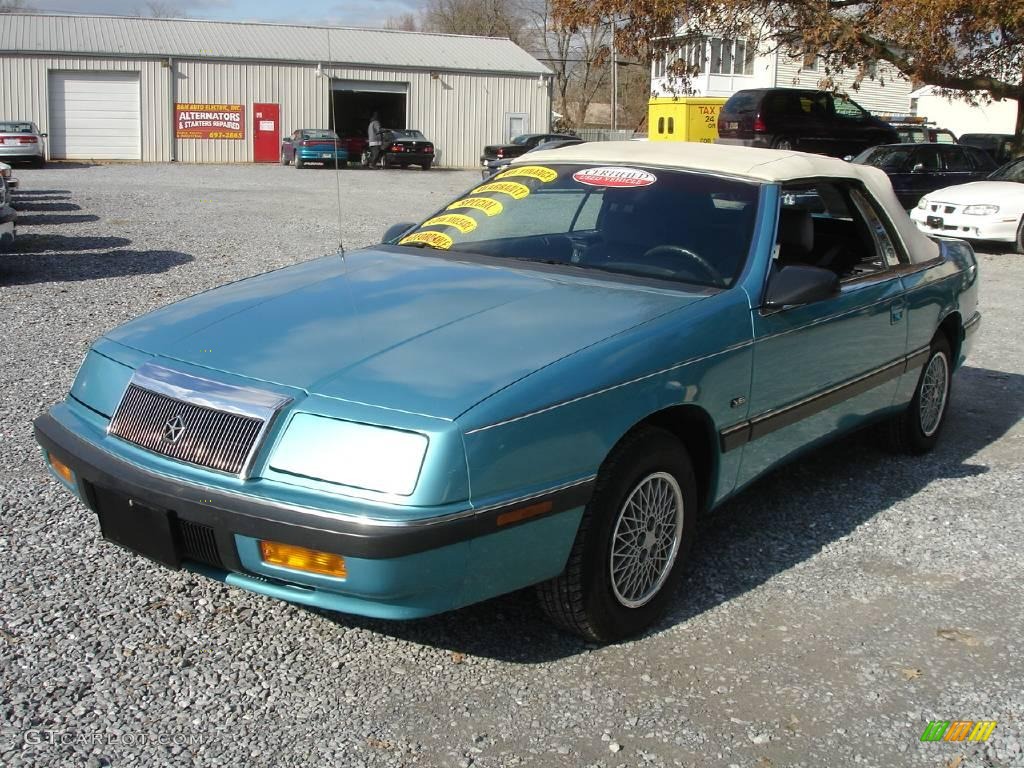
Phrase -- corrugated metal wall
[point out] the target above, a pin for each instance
(24, 94)
(460, 112)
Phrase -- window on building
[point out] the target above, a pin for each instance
(731, 56)
(659, 66)
(810, 62)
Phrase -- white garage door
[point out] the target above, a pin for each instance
(95, 116)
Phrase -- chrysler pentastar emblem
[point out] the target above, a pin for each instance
(173, 430)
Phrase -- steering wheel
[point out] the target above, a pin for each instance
(699, 261)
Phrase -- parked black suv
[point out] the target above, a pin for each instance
(794, 118)
(999, 146)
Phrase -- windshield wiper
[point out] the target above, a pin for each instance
(556, 262)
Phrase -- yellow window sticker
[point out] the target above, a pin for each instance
(433, 239)
(512, 188)
(485, 204)
(538, 172)
(462, 223)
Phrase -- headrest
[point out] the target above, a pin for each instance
(796, 231)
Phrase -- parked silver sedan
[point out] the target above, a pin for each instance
(21, 140)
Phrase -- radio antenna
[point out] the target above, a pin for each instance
(334, 125)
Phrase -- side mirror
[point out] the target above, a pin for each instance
(44, 135)
(800, 284)
(396, 230)
(918, 168)
(848, 158)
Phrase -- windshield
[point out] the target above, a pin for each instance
(672, 225)
(16, 128)
(1010, 172)
(400, 134)
(319, 135)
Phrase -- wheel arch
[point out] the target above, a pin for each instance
(952, 327)
(695, 429)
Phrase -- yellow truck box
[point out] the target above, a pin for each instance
(684, 118)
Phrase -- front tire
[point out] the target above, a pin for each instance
(916, 430)
(632, 544)
(1020, 236)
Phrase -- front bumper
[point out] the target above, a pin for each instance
(997, 228)
(395, 570)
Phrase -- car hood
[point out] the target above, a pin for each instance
(394, 329)
(979, 192)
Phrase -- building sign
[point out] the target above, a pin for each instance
(209, 121)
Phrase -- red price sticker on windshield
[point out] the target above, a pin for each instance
(614, 176)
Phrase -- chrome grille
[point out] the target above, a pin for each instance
(209, 438)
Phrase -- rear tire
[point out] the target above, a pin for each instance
(632, 543)
(784, 143)
(299, 162)
(39, 162)
(284, 158)
(426, 165)
(916, 430)
(1020, 236)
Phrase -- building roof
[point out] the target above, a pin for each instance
(191, 38)
(770, 165)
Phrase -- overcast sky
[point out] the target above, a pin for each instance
(362, 13)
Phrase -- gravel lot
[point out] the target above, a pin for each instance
(831, 612)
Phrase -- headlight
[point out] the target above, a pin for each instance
(981, 210)
(922, 203)
(347, 453)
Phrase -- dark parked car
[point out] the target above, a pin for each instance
(497, 165)
(793, 118)
(314, 145)
(999, 146)
(520, 145)
(404, 147)
(7, 217)
(917, 169)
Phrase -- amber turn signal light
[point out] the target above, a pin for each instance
(302, 559)
(61, 469)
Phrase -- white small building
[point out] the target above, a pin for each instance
(115, 87)
(728, 65)
(960, 117)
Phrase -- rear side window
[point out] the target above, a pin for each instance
(980, 160)
(814, 103)
(744, 102)
(929, 158)
(956, 160)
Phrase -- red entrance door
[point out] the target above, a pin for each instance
(266, 134)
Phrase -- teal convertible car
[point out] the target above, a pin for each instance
(546, 382)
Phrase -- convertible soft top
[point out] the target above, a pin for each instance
(771, 165)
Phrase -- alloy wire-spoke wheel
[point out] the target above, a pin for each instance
(646, 539)
(934, 390)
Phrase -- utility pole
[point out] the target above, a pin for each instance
(615, 82)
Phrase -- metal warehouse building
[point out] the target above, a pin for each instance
(216, 92)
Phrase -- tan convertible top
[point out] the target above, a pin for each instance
(770, 165)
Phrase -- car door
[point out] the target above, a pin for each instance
(926, 173)
(957, 166)
(826, 367)
(799, 116)
(849, 123)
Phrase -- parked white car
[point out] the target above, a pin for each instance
(21, 140)
(982, 210)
